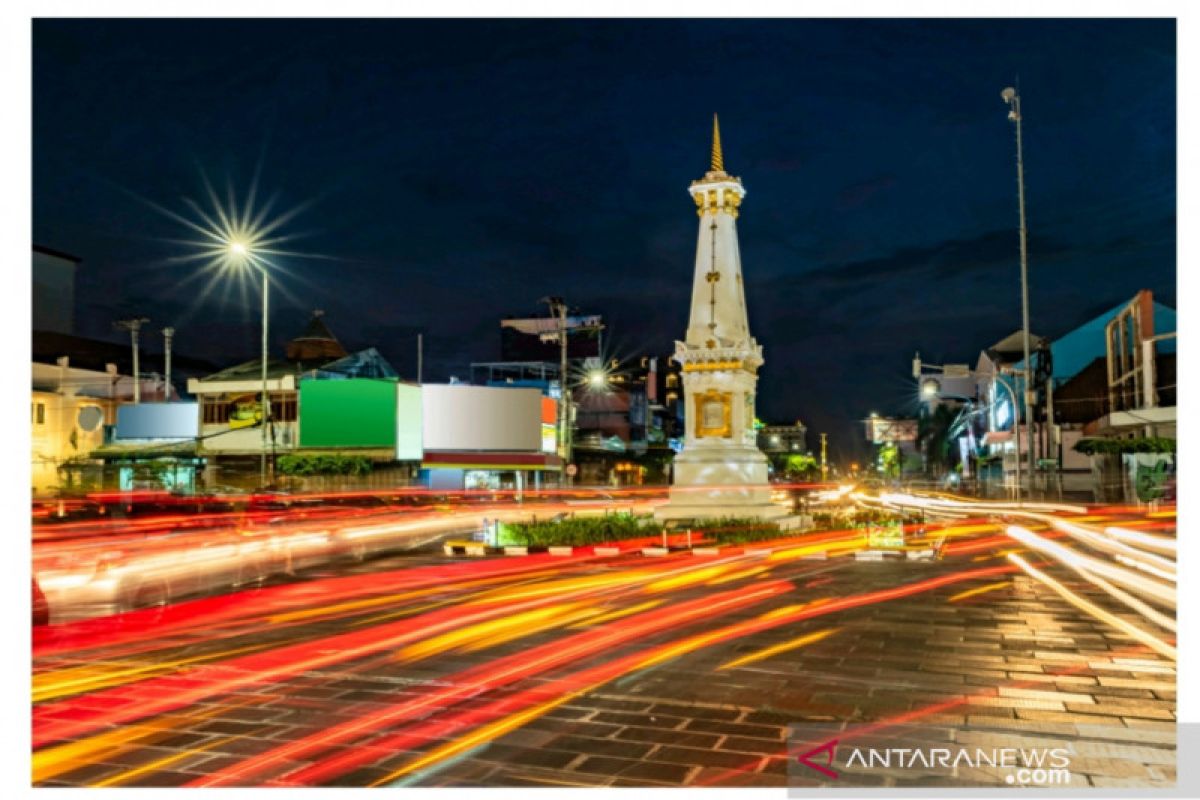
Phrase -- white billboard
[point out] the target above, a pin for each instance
(489, 418)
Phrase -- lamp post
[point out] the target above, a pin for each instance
(1010, 96)
(241, 255)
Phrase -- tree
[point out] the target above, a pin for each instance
(799, 465)
(933, 437)
(889, 460)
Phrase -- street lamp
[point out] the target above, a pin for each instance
(598, 379)
(242, 256)
(1013, 100)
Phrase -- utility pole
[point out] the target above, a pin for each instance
(168, 334)
(558, 308)
(824, 463)
(133, 325)
(1013, 100)
(420, 355)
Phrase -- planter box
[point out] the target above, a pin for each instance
(606, 551)
(516, 550)
(655, 551)
(757, 551)
(562, 551)
(706, 551)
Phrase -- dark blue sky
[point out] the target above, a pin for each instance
(460, 170)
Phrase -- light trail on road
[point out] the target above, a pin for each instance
(391, 676)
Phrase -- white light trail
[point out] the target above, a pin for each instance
(1138, 583)
(1155, 644)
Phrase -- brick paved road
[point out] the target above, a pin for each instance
(623, 671)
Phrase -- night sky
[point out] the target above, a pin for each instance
(453, 172)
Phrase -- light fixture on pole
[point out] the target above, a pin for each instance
(1013, 100)
(241, 255)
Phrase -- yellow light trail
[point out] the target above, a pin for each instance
(785, 647)
(688, 578)
(510, 627)
(621, 612)
(746, 573)
(52, 761)
(162, 763)
(481, 735)
(991, 587)
(1155, 644)
(828, 547)
(58, 683)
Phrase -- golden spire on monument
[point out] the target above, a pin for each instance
(718, 161)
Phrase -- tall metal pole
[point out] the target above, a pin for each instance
(133, 326)
(168, 334)
(137, 373)
(266, 398)
(565, 383)
(420, 355)
(1014, 102)
(824, 463)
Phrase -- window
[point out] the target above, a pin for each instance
(672, 380)
(39, 413)
(214, 410)
(283, 407)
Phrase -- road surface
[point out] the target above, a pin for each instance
(627, 670)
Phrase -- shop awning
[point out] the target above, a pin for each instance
(146, 450)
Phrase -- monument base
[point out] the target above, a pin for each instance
(720, 482)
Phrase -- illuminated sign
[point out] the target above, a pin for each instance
(890, 537)
(882, 430)
(1003, 413)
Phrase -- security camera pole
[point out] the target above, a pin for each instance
(1013, 100)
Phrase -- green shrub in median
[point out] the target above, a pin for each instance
(576, 531)
(737, 530)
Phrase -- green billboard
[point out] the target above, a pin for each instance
(357, 412)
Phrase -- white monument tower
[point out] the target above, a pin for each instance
(721, 472)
